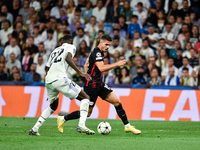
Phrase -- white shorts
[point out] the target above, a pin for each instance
(63, 85)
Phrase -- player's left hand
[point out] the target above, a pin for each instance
(87, 76)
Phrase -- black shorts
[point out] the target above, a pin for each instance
(102, 92)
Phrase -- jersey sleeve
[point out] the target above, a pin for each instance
(97, 56)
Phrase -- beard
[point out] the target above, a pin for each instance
(140, 74)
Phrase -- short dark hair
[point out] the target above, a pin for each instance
(101, 31)
(185, 68)
(3, 14)
(115, 29)
(186, 58)
(67, 39)
(50, 31)
(116, 38)
(170, 58)
(106, 37)
(140, 4)
(80, 29)
(134, 16)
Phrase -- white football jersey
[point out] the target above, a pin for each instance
(57, 63)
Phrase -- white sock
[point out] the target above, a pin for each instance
(83, 112)
(127, 125)
(62, 119)
(45, 114)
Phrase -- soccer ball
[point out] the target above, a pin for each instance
(104, 128)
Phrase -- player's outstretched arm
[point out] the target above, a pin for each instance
(104, 68)
(73, 65)
(86, 65)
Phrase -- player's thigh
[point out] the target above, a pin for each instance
(112, 98)
(68, 88)
(52, 93)
(93, 94)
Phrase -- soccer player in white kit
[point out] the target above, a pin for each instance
(56, 82)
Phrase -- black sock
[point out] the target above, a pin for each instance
(122, 114)
(73, 115)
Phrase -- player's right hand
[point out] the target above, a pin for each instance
(121, 62)
(87, 76)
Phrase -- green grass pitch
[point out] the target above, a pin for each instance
(156, 135)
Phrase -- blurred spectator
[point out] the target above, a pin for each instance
(28, 77)
(133, 26)
(115, 46)
(9, 16)
(13, 62)
(74, 27)
(184, 29)
(179, 21)
(70, 8)
(141, 13)
(122, 32)
(91, 27)
(11, 76)
(41, 66)
(41, 12)
(116, 56)
(18, 29)
(146, 50)
(195, 35)
(138, 62)
(174, 10)
(36, 35)
(168, 36)
(34, 22)
(152, 37)
(97, 40)
(197, 45)
(77, 13)
(186, 79)
(127, 11)
(161, 21)
(26, 61)
(41, 52)
(2, 19)
(178, 60)
(55, 11)
(193, 61)
(9, 39)
(127, 49)
(145, 3)
(35, 4)
(31, 46)
(2, 59)
(49, 44)
(170, 64)
(171, 79)
(155, 79)
(99, 11)
(140, 78)
(72, 74)
(17, 77)
(185, 65)
(123, 77)
(80, 37)
(112, 12)
(122, 22)
(137, 38)
(81, 53)
(63, 28)
(15, 9)
(87, 11)
(151, 65)
(4, 32)
(137, 47)
(3, 74)
(161, 45)
(24, 11)
(162, 60)
(187, 20)
(21, 41)
(12, 48)
(186, 10)
(172, 52)
(188, 47)
(107, 76)
(122, 40)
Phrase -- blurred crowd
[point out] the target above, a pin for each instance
(158, 38)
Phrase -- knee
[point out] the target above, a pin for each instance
(87, 97)
(54, 105)
(117, 103)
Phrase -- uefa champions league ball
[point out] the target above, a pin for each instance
(104, 128)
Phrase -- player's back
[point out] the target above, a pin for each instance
(57, 63)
